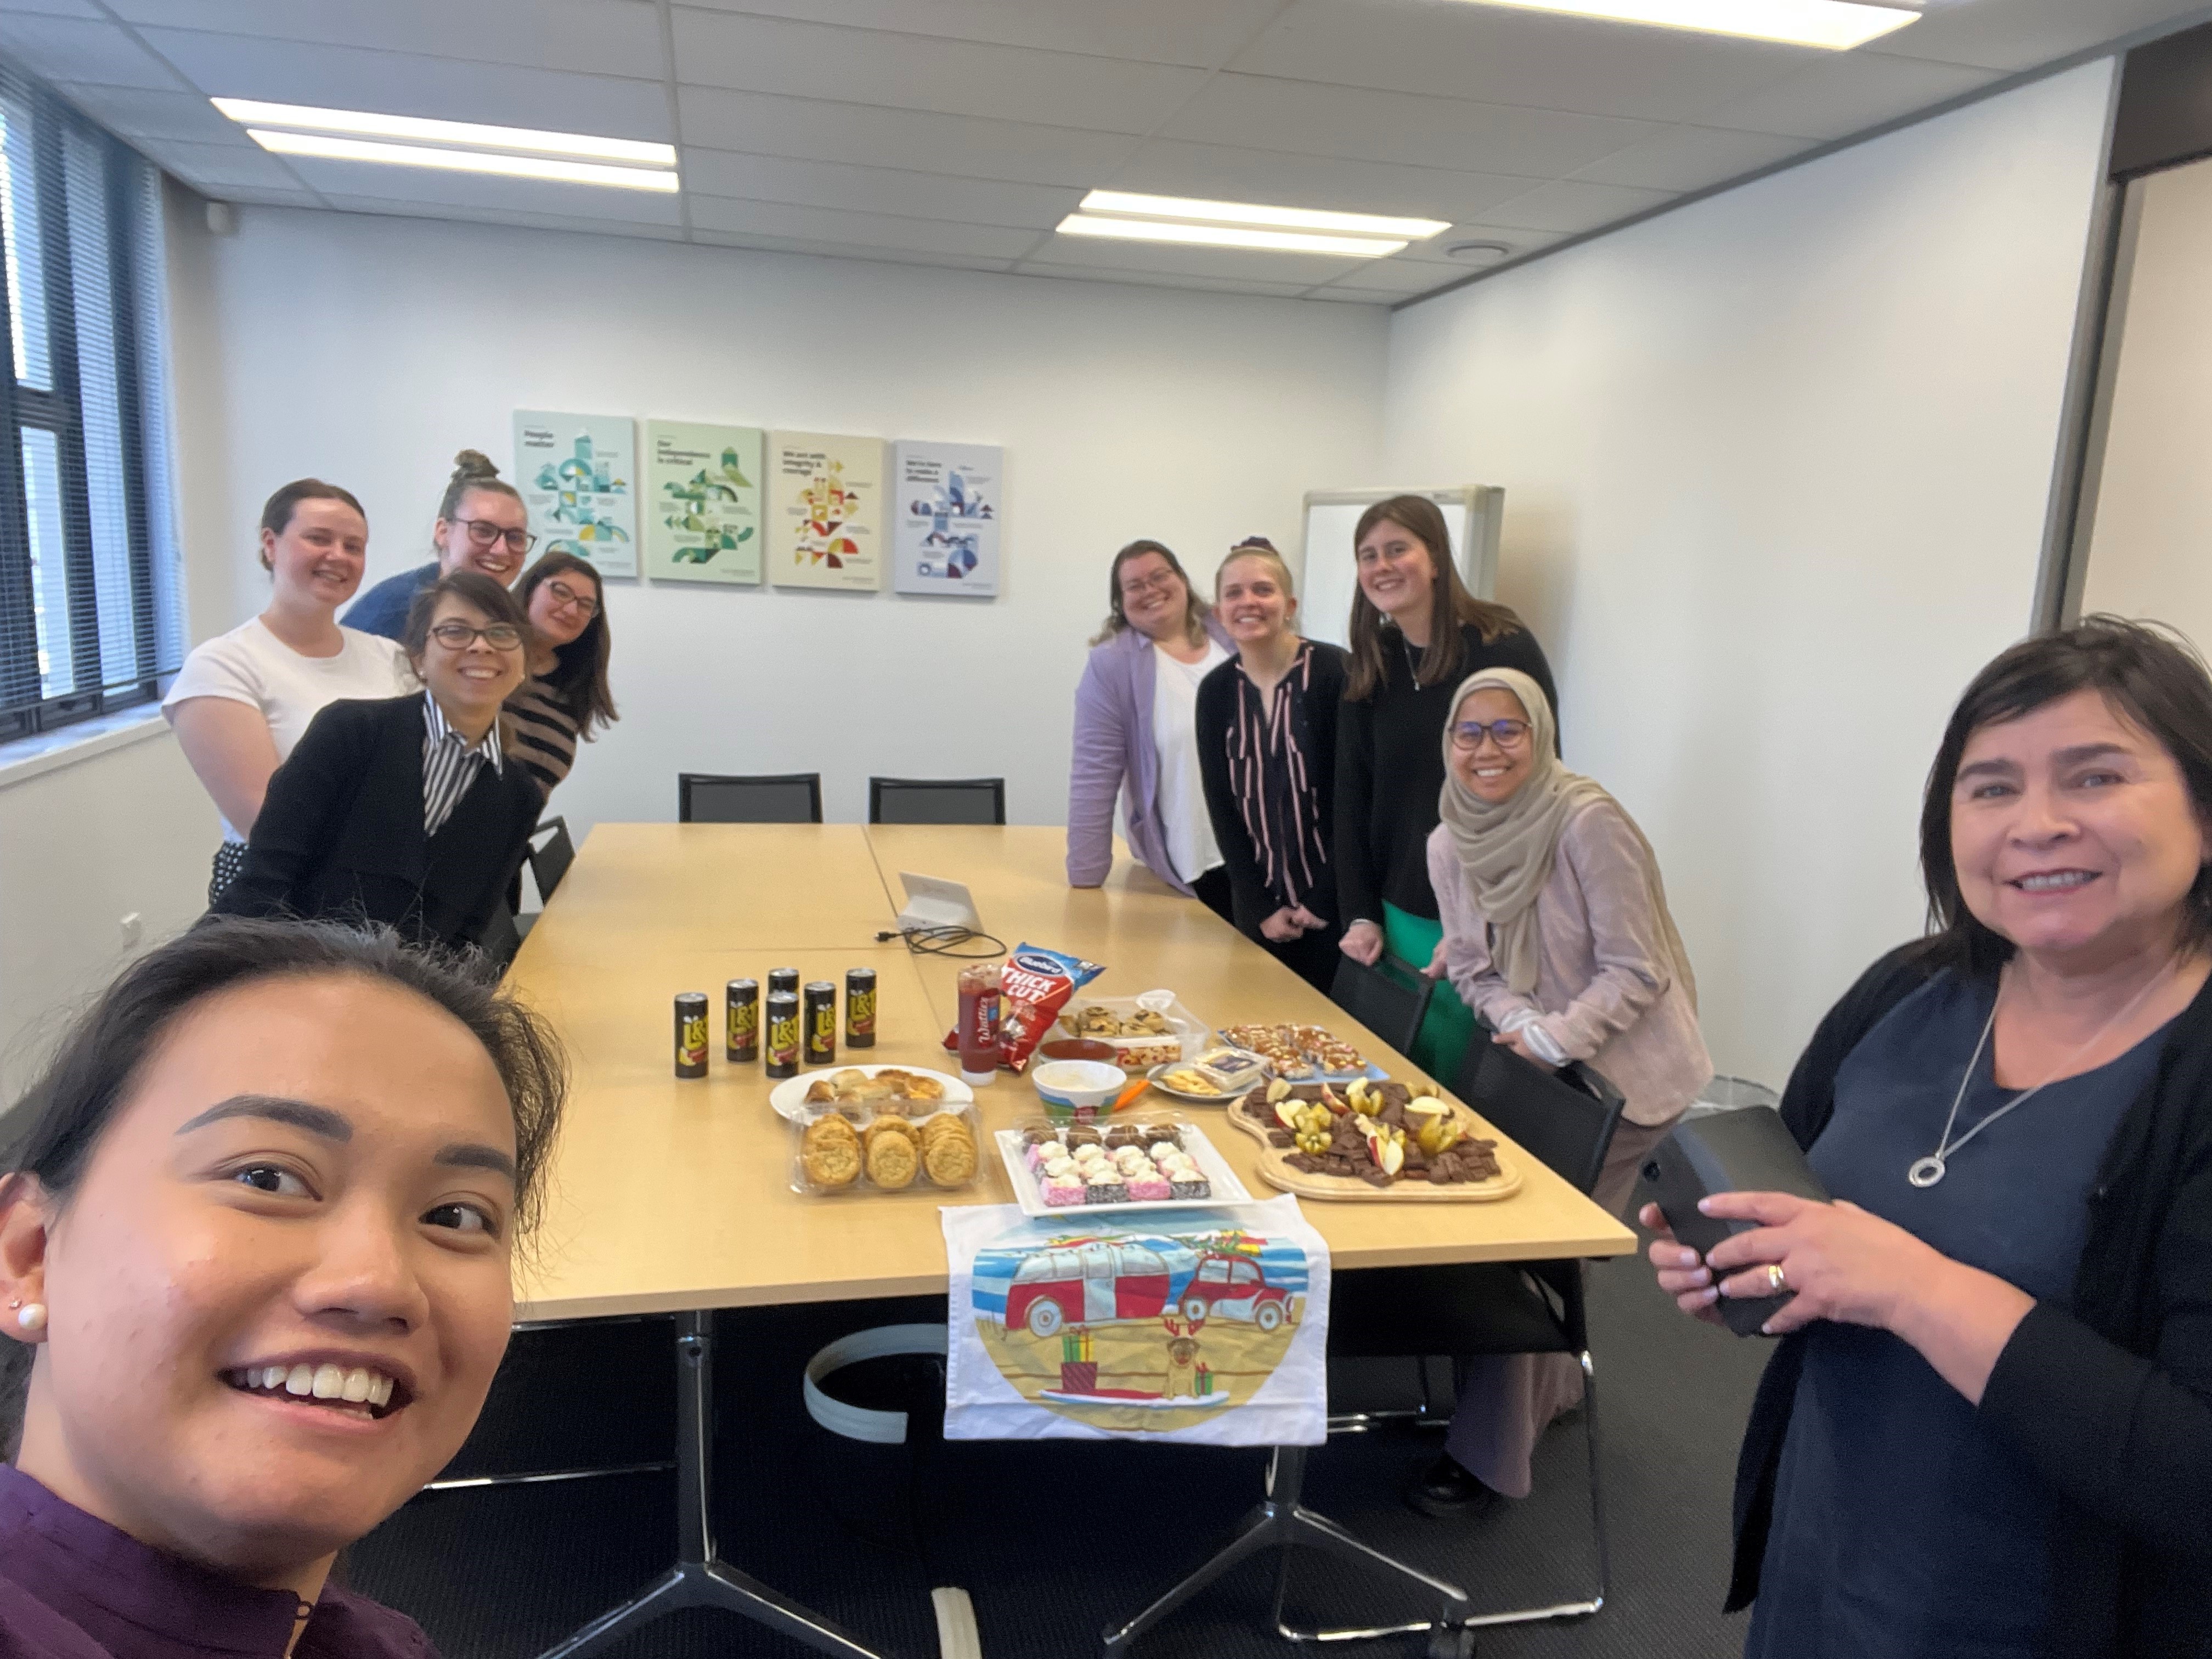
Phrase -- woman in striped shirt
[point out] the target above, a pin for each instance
(1267, 744)
(566, 698)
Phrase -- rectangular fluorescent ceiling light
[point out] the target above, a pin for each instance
(454, 146)
(1180, 207)
(1836, 25)
(1280, 241)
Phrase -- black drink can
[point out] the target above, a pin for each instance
(821, 1023)
(691, 1034)
(783, 1037)
(783, 979)
(742, 1012)
(860, 1008)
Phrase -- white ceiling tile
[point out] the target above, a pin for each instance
(1450, 49)
(1307, 118)
(139, 112)
(1170, 279)
(1516, 238)
(1149, 30)
(2020, 34)
(1395, 276)
(1848, 92)
(396, 83)
(876, 190)
(1346, 295)
(1690, 158)
(1166, 166)
(847, 251)
(951, 77)
(1566, 205)
(605, 37)
(484, 213)
(859, 229)
(535, 196)
(69, 48)
(968, 146)
(212, 168)
(1170, 258)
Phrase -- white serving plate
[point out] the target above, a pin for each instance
(1227, 1188)
(789, 1096)
(1224, 1099)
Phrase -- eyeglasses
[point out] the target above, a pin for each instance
(1508, 735)
(482, 533)
(1163, 582)
(566, 596)
(459, 636)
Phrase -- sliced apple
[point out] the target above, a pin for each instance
(1287, 1114)
(1389, 1155)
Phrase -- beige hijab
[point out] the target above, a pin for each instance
(1508, 847)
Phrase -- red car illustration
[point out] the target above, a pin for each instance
(1087, 1283)
(1233, 1287)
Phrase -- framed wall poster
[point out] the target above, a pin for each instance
(944, 524)
(702, 502)
(825, 511)
(578, 476)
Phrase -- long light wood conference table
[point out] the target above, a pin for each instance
(673, 1195)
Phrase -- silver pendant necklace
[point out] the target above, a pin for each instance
(1927, 1171)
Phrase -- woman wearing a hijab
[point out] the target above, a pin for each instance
(1556, 933)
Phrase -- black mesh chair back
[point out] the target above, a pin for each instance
(502, 938)
(713, 797)
(1391, 999)
(1565, 1117)
(937, 800)
(551, 852)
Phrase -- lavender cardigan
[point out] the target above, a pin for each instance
(1114, 755)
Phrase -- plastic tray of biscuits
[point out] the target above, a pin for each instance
(885, 1146)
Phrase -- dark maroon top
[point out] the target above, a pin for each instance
(72, 1587)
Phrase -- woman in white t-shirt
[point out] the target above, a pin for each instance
(243, 698)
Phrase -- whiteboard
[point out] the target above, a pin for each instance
(1326, 583)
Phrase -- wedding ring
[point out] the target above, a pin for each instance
(1774, 1281)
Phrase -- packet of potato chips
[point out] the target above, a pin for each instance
(1035, 985)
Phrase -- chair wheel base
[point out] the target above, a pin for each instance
(1451, 1642)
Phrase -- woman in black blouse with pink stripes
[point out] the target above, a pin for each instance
(1266, 740)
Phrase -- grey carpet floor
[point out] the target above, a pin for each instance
(1053, 1540)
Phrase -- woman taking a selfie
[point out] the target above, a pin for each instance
(1988, 1428)
(255, 1244)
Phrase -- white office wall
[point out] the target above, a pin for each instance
(2150, 548)
(1776, 468)
(366, 350)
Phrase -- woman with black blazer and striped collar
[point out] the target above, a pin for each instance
(406, 810)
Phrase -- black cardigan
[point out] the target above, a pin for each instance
(2108, 1398)
(340, 833)
(1390, 769)
(1252, 901)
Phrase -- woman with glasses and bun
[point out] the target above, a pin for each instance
(481, 525)
(1416, 633)
(1556, 932)
(1136, 732)
(411, 812)
(566, 698)
(259, 1224)
(243, 699)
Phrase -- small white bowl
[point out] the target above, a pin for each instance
(1077, 1085)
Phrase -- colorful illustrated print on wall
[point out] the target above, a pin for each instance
(575, 473)
(947, 528)
(704, 512)
(826, 504)
(1139, 1331)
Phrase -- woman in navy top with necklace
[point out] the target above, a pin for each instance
(1988, 1429)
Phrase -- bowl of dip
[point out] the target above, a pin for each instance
(1077, 1085)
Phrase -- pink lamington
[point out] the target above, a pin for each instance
(1144, 1188)
(1062, 1189)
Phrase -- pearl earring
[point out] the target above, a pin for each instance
(33, 1317)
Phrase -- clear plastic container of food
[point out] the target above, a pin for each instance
(1146, 1030)
(840, 1149)
(1136, 1158)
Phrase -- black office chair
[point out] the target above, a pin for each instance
(551, 852)
(1391, 999)
(937, 800)
(711, 798)
(1567, 1119)
(501, 939)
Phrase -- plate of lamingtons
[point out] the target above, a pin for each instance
(861, 1090)
(1392, 1141)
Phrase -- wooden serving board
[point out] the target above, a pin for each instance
(1280, 1175)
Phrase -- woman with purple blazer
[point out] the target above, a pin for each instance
(1136, 732)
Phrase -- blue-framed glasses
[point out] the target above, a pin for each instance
(1508, 734)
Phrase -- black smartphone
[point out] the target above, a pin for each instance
(1747, 1150)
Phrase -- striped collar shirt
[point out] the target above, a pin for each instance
(449, 764)
(1270, 772)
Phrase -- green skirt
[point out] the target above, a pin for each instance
(1449, 1026)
